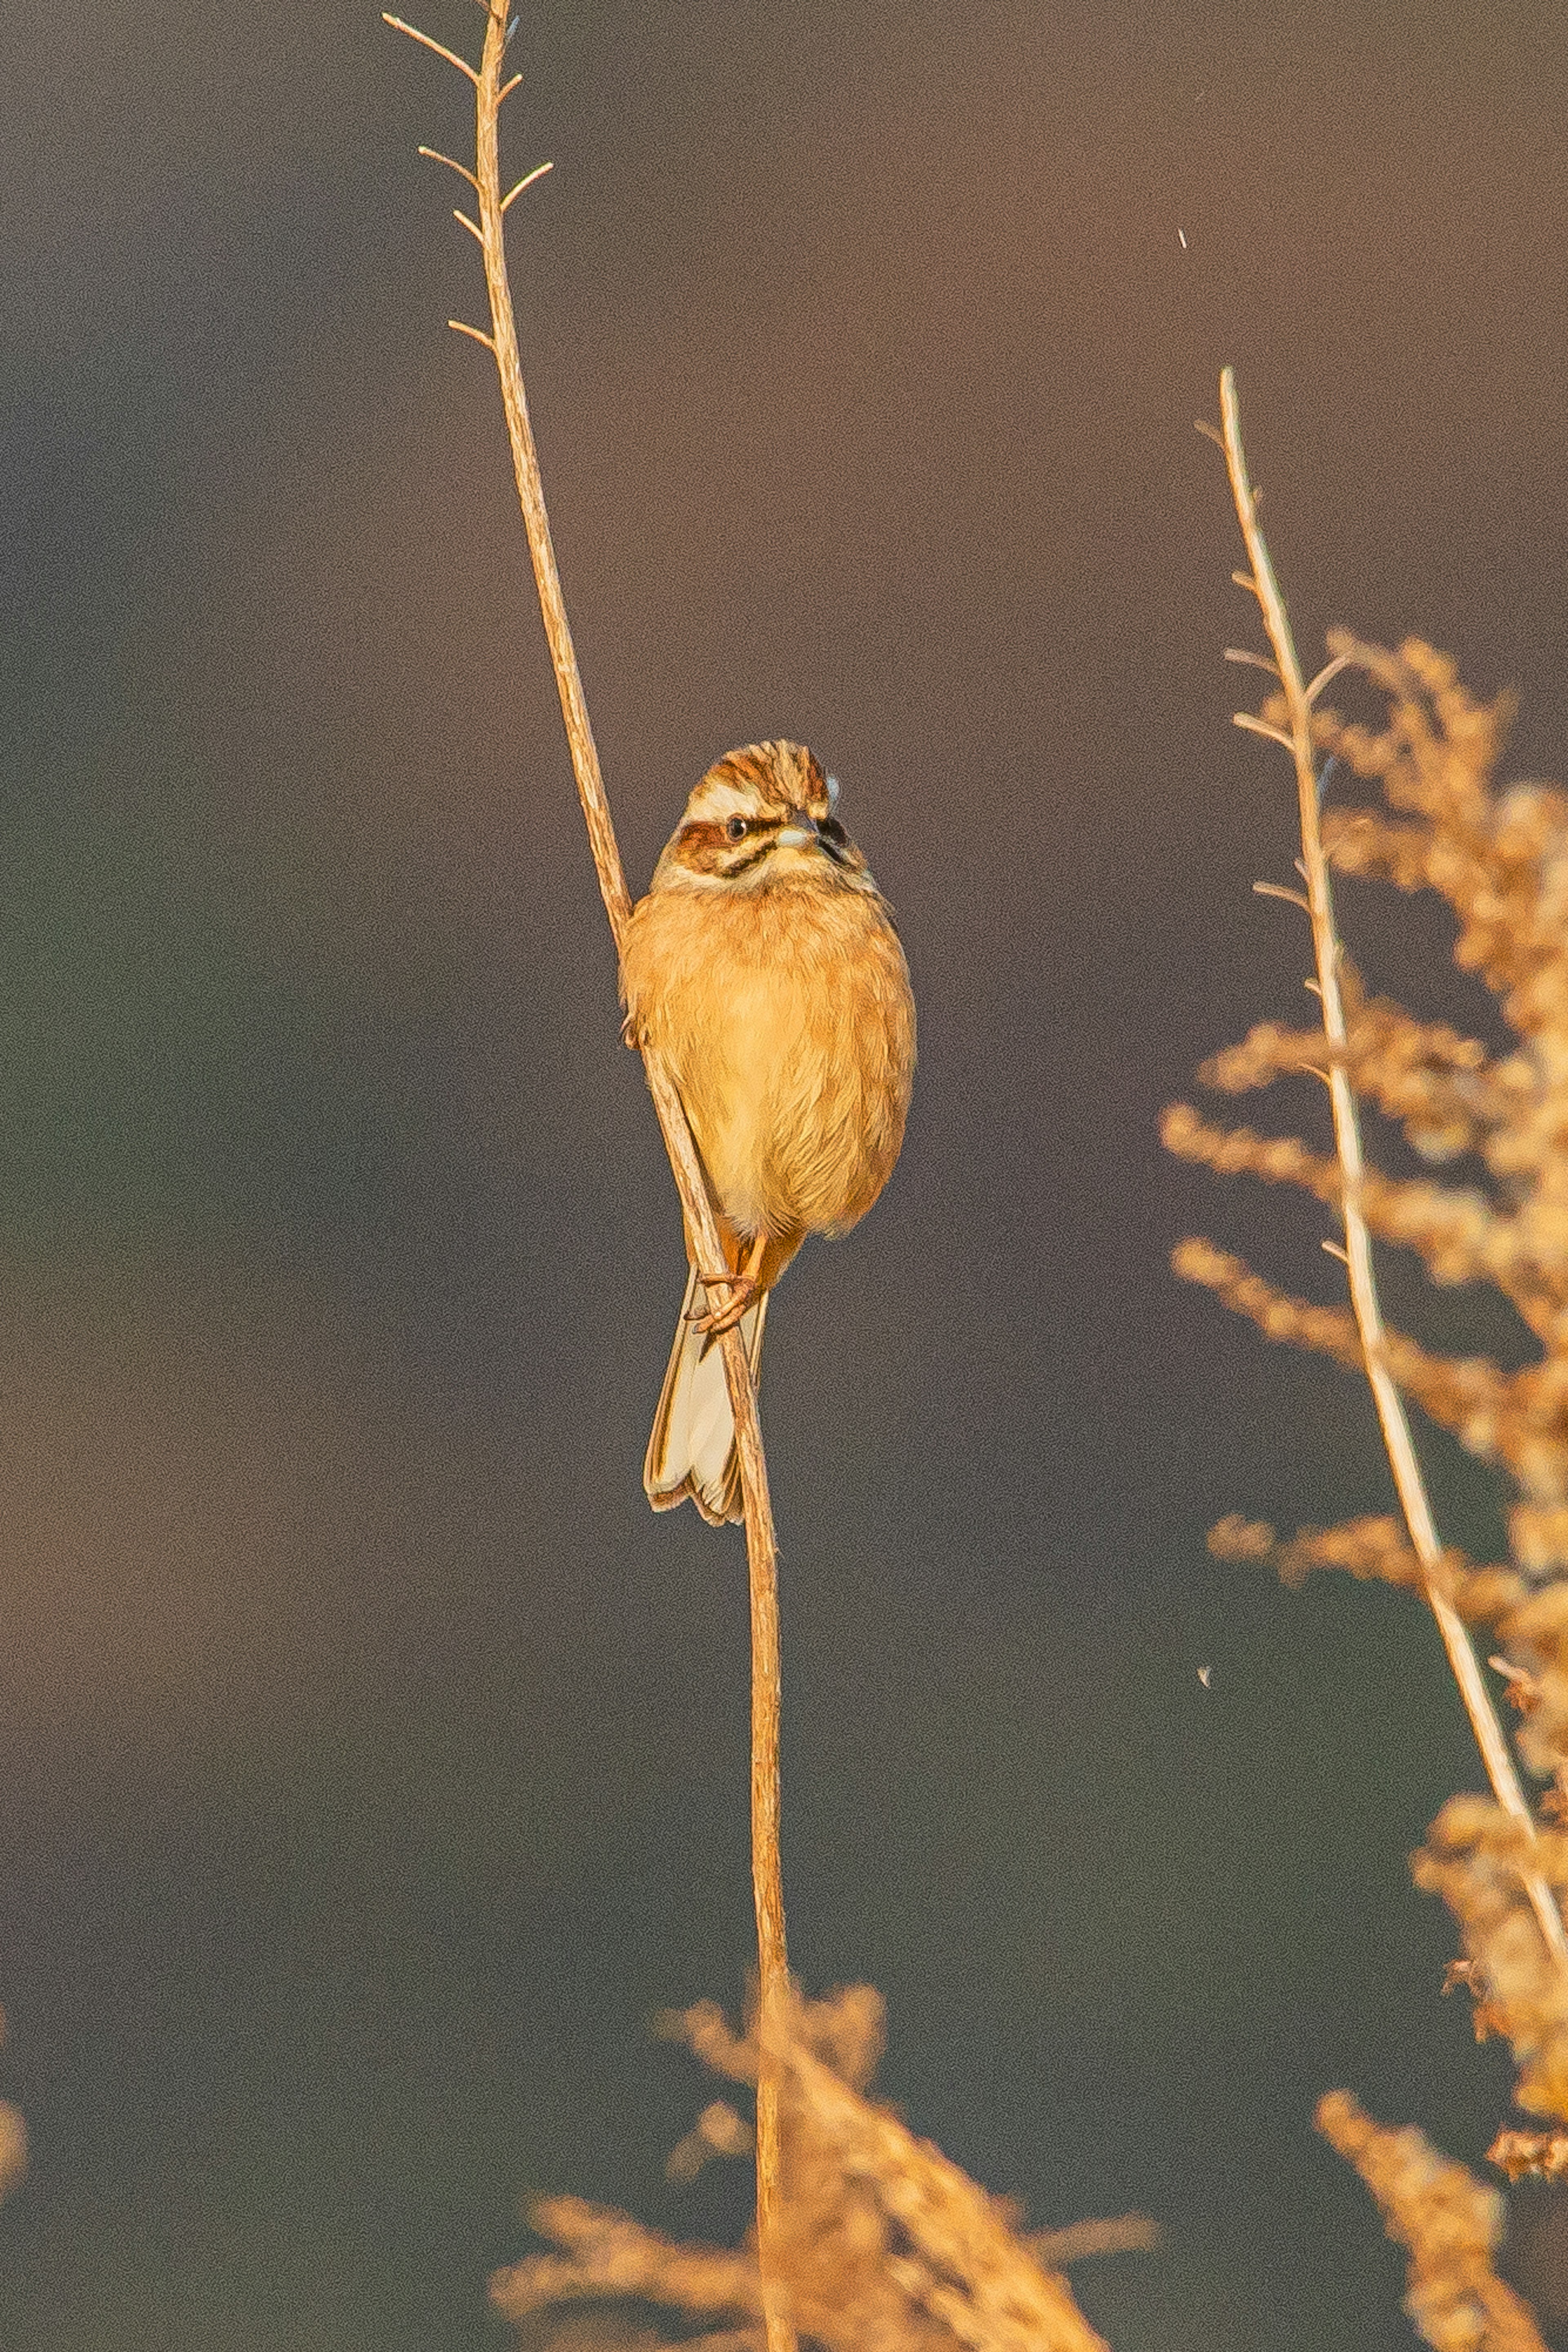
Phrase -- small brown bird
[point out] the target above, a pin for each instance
(764, 967)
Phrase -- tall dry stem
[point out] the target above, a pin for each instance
(761, 1547)
(1295, 737)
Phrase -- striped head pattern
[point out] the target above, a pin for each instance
(763, 817)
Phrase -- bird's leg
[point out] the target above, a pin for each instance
(742, 1285)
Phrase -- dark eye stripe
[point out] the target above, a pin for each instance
(709, 848)
(710, 837)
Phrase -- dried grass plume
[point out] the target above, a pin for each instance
(1450, 2224)
(886, 2245)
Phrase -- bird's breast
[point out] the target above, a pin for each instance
(787, 1021)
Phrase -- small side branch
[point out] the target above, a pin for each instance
(1245, 718)
(1278, 890)
(436, 156)
(527, 181)
(1232, 653)
(1395, 1422)
(398, 25)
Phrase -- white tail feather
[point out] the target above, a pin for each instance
(691, 1450)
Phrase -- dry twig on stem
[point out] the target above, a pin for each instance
(761, 1547)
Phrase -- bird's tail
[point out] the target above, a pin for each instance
(693, 1451)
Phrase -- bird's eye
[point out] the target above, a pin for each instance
(737, 828)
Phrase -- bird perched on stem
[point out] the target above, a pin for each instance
(764, 968)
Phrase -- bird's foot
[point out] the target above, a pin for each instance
(714, 1320)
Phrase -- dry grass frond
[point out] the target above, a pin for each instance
(13, 2140)
(1327, 1331)
(1127, 2233)
(717, 2131)
(1379, 1551)
(1518, 1418)
(1439, 1084)
(1363, 842)
(846, 2029)
(1268, 1050)
(1475, 1857)
(1451, 2225)
(1484, 1596)
(1523, 1691)
(1366, 1548)
(13, 2148)
(1501, 861)
(1534, 1635)
(1458, 1235)
(603, 2254)
(1235, 1537)
(1539, 1533)
(1530, 2156)
(965, 2266)
(883, 2245)
(1237, 1150)
(1376, 1550)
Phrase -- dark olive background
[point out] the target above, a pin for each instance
(373, 1763)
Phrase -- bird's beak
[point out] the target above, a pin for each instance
(801, 832)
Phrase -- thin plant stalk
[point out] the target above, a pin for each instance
(691, 1182)
(1408, 1479)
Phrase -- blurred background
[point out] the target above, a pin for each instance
(373, 1763)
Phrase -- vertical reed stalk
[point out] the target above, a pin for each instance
(1414, 1502)
(761, 1545)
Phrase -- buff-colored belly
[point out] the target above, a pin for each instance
(787, 1021)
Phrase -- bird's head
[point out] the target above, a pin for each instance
(763, 817)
